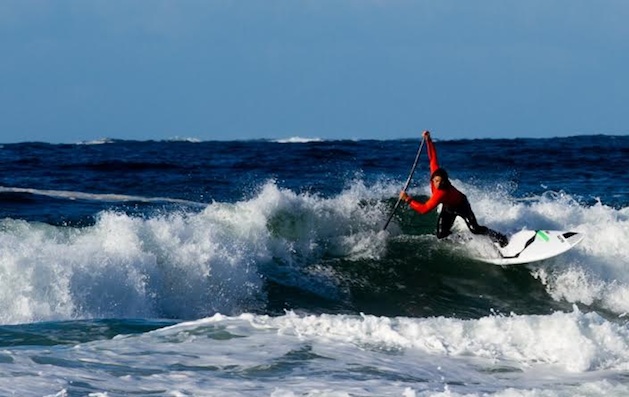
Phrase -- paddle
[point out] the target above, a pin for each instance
(408, 182)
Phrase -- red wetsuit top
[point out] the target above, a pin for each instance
(449, 196)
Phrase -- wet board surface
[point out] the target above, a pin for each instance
(528, 246)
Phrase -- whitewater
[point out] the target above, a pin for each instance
(297, 291)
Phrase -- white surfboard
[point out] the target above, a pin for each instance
(529, 246)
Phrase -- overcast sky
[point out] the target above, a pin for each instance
(78, 70)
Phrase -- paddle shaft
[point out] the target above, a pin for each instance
(406, 185)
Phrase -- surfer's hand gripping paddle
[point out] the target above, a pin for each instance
(408, 182)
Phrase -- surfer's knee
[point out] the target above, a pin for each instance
(443, 233)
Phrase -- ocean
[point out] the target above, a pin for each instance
(261, 268)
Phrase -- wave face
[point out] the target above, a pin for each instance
(280, 245)
(281, 250)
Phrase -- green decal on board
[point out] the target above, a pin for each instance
(543, 235)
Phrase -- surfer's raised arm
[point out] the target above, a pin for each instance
(432, 152)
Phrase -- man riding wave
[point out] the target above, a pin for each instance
(454, 203)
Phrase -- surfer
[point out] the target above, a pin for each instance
(454, 203)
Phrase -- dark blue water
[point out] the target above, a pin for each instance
(589, 167)
(125, 238)
(72, 185)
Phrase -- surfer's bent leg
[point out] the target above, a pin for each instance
(470, 219)
(444, 223)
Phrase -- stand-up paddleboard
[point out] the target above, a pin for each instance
(406, 185)
(529, 246)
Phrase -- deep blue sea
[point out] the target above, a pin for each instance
(261, 268)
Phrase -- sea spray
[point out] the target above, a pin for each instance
(276, 255)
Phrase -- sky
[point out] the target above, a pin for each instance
(81, 70)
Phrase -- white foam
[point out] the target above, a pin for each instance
(182, 265)
(108, 197)
(123, 267)
(562, 354)
(100, 141)
(188, 265)
(594, 272)
(557, 355)
(184, 139)
(298, 139)
(576, 342)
